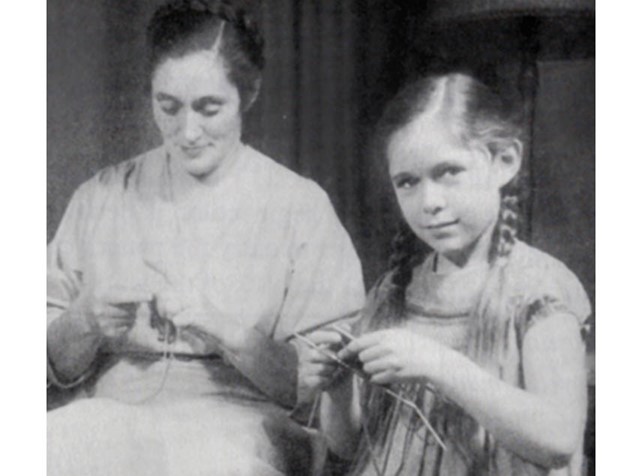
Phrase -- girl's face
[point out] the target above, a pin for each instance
(197, 110)
(448, 192)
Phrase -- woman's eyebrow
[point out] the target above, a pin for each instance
(204, 101)
(166, 97)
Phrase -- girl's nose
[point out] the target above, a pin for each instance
(191, 128)
(432, 198)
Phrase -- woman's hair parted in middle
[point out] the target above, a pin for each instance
(182, 27)
(478, 115)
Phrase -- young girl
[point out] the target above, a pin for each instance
(481, 331)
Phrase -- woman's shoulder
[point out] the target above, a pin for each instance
(284, 182)
(122, 174)
(538, 276)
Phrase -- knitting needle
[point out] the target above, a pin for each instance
(389, 392)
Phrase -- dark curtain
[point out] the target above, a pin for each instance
(330, 67)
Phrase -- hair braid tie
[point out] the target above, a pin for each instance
(507, 226)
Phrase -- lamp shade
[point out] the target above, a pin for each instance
(447, 10)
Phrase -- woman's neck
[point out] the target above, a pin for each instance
(185, 185)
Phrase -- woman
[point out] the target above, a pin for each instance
(177, 278)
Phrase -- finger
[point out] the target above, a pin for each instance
(115, 330)
(187, 318)
(327, 370)
(169, 304)
(127, 307)
(328, 337)
(360, 344)
(383, 378)
(114, 312)
(373, 353)
(321, 355)
(125, 295)
(377, 366)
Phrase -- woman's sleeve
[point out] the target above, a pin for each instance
(64, 268)
(325, 283)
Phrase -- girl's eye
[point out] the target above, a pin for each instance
(406, 182)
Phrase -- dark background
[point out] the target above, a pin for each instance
(331, 65)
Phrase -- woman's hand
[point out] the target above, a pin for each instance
(397, 355)
(110, 311)
(198, 321)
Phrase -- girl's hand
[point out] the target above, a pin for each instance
(111, 311)
(397, 356)
(316, 370)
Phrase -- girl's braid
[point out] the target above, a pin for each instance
(407, 250)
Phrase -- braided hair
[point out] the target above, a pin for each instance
(182, 27)
(483, 116)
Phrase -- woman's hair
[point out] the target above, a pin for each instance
(478, 115)
(187, 26)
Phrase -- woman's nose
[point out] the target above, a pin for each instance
(432, 198)
(191, 127)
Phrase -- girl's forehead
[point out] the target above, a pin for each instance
(426, 140)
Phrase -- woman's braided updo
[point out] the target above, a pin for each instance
(182, 27)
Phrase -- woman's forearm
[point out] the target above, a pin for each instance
(268, 364)
(538, 428)
(72, 346)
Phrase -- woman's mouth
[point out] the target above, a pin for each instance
(193, 151)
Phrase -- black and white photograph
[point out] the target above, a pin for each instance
(320, 238)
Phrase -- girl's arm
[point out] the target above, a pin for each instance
(340, 416)
(542, 424)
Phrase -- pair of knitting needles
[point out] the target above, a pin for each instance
(362, 375)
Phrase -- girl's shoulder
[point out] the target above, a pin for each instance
(538, 280)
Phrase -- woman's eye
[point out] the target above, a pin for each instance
(448, 171)
(170, 108)
(209, 111)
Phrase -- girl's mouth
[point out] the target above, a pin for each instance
(438, 226)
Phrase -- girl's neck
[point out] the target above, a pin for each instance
(474, 255)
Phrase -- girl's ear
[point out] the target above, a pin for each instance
(507, 159)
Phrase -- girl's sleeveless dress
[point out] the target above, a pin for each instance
(439, 306)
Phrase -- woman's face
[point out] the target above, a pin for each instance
(448, 192)
(197, 110)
